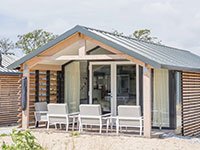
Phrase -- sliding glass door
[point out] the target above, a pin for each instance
(126, 85)
(101, 86)
(113, 84)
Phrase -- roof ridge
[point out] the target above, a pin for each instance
(124, 36)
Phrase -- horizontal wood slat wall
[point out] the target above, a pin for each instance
(191, 104)
(43, 88)
(8, 98)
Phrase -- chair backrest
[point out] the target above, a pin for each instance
(60, 109)
(129, 111)
(90, 109)
(40, 106)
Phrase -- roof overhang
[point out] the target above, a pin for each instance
(85, 31)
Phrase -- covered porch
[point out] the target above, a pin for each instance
(81, 70)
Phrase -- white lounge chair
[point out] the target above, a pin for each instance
(40, 112)
(129, 116)
(58, 114)
(90, 114)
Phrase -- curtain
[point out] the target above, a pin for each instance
(72, 86)
(161, 98)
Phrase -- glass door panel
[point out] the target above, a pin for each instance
(126, 85)
(101, 87)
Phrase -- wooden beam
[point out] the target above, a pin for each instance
(53, 50)
(82, 49)
(91, 57)
(147, 100)
(25, 113)
(47, 67)
(114, 50)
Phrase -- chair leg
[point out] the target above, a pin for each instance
(73, 122)
(117, 127)
(107, 125)
(67, 127)
(140, 127)
(100, 128)
(140, 130)
(48, 125)
(80, 127)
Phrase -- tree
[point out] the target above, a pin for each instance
(6, 44)
(34, 40)
(145, 36)
(117, 32)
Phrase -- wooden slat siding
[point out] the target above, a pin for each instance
(190, 104)
(48, 86)
(9, 98)
(36, 86)
(58, 86)
(41, 80)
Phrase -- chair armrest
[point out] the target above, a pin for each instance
(89, 117)
(106, 115)
(41, 112)
(75, 113)
(57, 115)
(129, 118)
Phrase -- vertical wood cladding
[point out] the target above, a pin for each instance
(8, 98)
(43, 88)
(191, 104)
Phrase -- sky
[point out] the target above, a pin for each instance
(175, 22)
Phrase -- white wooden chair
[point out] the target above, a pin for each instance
(40, 112)
(90, 114)
(58, 114)
(129, 116)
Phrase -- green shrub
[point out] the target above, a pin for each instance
(1, 135)
(75, 134)
(22, 141)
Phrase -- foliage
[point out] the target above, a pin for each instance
(145, 35)
(22, 141)
(3, 134)
(34, 40)
(117, 32)
(75, 134)
(6, 45)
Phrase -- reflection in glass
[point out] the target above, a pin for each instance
(101, 88)
(126, 85)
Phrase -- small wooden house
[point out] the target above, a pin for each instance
(91, 66)
(8, 89)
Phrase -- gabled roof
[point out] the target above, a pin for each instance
(7, 59)
(158, 56)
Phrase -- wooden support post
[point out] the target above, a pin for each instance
(25, 113)
(147, 100)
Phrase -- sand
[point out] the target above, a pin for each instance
(62, 141)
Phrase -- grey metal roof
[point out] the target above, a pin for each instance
(158, 56)
(7, 59)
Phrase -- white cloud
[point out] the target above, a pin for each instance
(175, 22)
